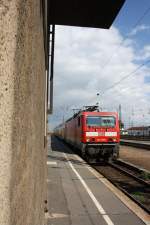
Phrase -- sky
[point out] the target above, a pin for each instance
(114, 63)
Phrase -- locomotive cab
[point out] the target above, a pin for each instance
(100, 135)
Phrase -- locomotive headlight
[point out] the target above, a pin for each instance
(114, 139)
(88, 139)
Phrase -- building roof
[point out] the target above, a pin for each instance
(83, 13)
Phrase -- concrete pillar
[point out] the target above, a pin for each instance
(22, 102)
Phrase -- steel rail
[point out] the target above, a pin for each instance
(132, 167)
(119, 167)
(122, 189)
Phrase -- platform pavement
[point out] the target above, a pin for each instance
(135, 143)
(77, 197)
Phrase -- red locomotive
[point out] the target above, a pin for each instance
(95, 134)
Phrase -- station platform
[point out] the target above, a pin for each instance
(79, 196)
(135, 143)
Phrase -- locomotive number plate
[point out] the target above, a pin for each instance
(112, 134)
(90, 134)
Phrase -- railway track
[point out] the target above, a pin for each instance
(137, 173)
(128, 179)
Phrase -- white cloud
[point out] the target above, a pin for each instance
(138, 29)
(144, 53)
(81, 70)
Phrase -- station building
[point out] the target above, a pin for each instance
(139, 131)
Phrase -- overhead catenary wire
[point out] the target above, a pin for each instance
(141, 18)
(126, 36)
(127, 75)
(118, 47)
(123, 78)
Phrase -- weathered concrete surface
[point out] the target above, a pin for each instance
(22, 98)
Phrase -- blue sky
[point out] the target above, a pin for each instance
(130, 13)
(88, 61)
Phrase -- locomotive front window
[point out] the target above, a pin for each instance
(101, 121)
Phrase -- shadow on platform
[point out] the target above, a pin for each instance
(58, 145)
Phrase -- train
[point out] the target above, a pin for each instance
(95, 134)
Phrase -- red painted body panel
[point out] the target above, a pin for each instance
(76, 130)
(100, 130)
